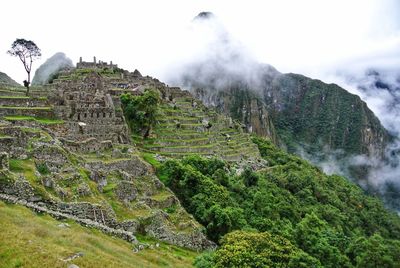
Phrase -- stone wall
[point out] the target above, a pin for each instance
(90, 112)
(126, 235)
(134, 166)
(94, 64)
(23, 102)
(27, 111)
(54, 157)
(14, 141)
(90, 145)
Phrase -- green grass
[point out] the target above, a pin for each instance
(22, 97)
(150, 158)
(33, 240)
(26, 108)
(26, 167)
(5, 88)
(14, 97)
(45, 121)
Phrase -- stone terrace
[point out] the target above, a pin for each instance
(185, 127)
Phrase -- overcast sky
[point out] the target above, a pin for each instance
(294, 36)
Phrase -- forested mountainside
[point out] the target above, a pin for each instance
(288, 214)
(321, 122)
(299, 112)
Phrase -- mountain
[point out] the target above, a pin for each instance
(322, 122)
(136, 159)
(5, 80)
(316, 115)
(303, 113)
(381, 88)
(50, 67)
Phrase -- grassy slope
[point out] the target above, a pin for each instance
(33, 240)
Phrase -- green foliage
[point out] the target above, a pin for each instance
(207, 200)
(205, 260)
(374, 252)
(141, 111)
(321, 216)
(206, 166)
(250, 178)
(42, 168)
(247, 249)
(27, 51)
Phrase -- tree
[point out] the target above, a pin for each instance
(141, 111)
(252, 249)
(27, 51)
(373, 252)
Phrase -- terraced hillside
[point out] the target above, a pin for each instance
(109, 187)
(186, 127)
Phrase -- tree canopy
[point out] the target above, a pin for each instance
(141, 111)
(27, 51)
(289, 214)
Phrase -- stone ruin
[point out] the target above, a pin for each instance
(87, 100)
(91, 107)
(94, 64)
(94, 119)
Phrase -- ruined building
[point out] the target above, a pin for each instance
(94, 119)
(93, 65)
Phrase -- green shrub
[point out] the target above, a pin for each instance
(42, 168)
(141, 111)
(205, 260)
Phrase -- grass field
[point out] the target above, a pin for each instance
(28, 239)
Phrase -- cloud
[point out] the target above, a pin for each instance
(215, 60)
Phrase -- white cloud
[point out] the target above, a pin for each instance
(298, 36)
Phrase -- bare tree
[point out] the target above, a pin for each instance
(27, 51)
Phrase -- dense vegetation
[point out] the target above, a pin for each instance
(141, 110)
(290, 214)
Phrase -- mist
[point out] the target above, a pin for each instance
(214, 59)
(379, 87)
(50, 67)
